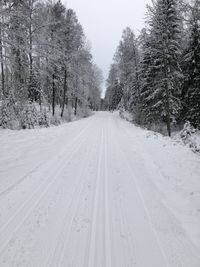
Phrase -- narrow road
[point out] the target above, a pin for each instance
(83, 195)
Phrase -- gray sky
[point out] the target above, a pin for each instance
(103, 22)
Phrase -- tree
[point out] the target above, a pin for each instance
(45, 61)
(127, 58)
(191, 68)
(161, 71)
(73, 43)
(114, 92)
(18, 36)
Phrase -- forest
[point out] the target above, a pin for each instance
(156, 76)
(99, 136)
(47, 69)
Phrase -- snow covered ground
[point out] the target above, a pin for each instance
(98, 192)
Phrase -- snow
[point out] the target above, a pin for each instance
(190, 137)
(98, 192)
(125, 115)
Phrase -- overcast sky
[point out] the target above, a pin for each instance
(103, 22)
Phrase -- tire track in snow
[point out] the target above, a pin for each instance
(57, 258)
(92, 245)
(28, 174)
(47, 243)
(10, 188)
(136, 185)
(26, 208)
(125, 232)
(108, 262)
(128, 235)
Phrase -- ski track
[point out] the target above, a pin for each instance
(92, 246)
(146, 212)
(108, 258)
(60, 251)
(20, 180)
(23, 211)
(87, 199)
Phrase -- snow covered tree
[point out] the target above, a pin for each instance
(18, 37)
(73, 43)
(7, 112)
(127, 58)
(29, 117)
(114, 92)
(43, 119)
(57, 12)
(44, 59)
(2, 29)
(161, 75)
(191, 68)
(33, 29)
(95, 87)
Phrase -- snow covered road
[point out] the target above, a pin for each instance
(98, 192)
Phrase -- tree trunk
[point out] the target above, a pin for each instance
(64, 92)
(76, 103)
(168, 112)
(32, 95)
(53, 95)
(167, 103)
(2, 64)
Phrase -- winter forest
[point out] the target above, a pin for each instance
(156, 75)
(99, 136)
(47, 70)
(48, 74)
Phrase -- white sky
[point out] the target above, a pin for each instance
(103, 22)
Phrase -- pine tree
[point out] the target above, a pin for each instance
(29, 117)
(127, 58)
(114, 91)
(161, 85)
(95, 87)
(191, 67)
(146, 77)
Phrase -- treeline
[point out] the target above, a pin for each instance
(156, 76)
(46, 65)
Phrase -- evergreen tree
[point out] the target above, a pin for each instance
(114, 91)
(161, 71)
(191, 67)
(127, 58)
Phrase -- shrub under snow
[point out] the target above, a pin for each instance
(44, 119)
(29, 118)
(8, 117)
(191, 137)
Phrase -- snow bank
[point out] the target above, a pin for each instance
(31, 116)
(175, 171)
(189, 137)
(125, 115)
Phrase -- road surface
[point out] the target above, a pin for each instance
(83, 195)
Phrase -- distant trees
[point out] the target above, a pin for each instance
(159, 71)
(45, 61)
(127, 59)
(114, 92)
(123, 81)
